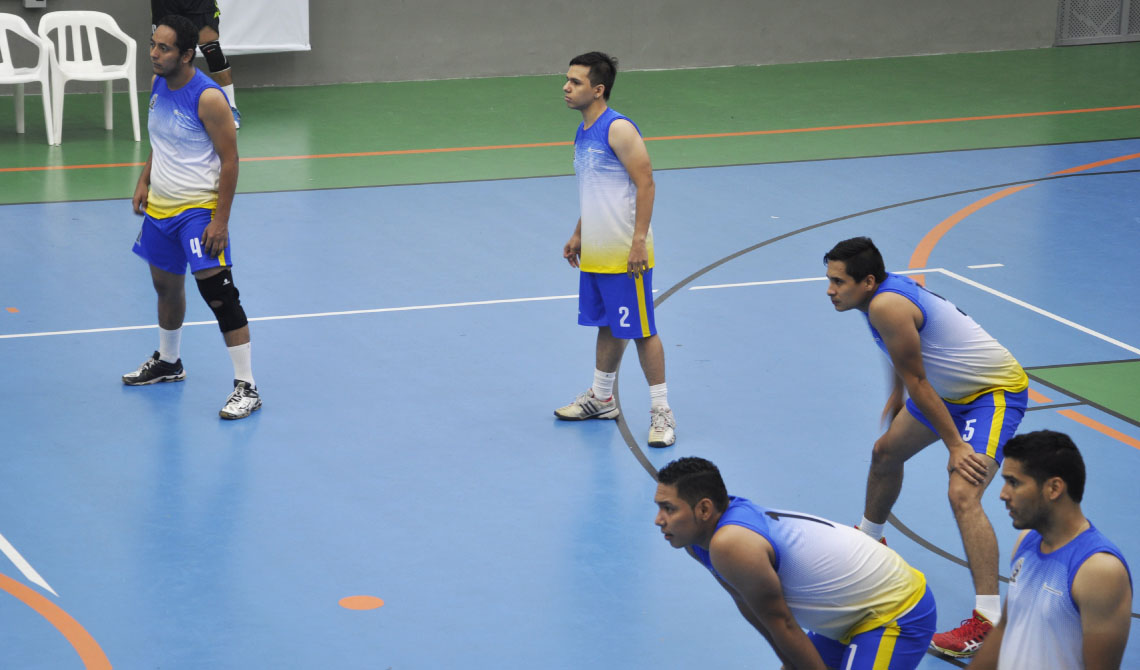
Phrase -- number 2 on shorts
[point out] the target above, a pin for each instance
(624, 311)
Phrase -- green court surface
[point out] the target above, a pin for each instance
(1114, 387)
(511, 127)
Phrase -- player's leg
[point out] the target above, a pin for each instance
(985, 424)
(905, 437)
(596, 402)
(167, 261)
(629, 307)
(216, 62)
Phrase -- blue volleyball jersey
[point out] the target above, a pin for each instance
(184, 168)
(1042, 623)
(607, 197)
(836, 580)
(962, 360)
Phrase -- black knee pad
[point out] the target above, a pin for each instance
(215, 59)
(222, 296)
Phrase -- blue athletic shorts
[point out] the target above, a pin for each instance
(622, 302)
(169, 244)
(900, 645)
(987, 423)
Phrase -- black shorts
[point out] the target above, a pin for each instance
(201, 13)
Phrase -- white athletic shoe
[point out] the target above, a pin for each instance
(242, 402)
(662, 427)
(586, 406)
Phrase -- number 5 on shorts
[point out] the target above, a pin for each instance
(969, 433)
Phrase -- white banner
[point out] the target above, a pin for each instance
(264, 26)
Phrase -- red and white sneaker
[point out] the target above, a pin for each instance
(966, 639)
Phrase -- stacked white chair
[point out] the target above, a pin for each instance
(66, 51)
(10, 74)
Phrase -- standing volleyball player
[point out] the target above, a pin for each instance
(963, 386)
(185, 192)
(1069, 605)
(612, 245)
(206, 17)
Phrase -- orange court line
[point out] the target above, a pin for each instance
(746, 133)
(1037, 397)
(88, 649)
(1090, 166)
(926, 246)
(1099, 427)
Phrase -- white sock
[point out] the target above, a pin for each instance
(169, 344)
(659, 396)
(243, 364)
(604, 384)
(229, 89)
(872, 529)
(989, 607)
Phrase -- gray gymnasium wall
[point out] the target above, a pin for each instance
(398, 40)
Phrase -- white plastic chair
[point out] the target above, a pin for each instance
(68, 63)
(10, 74)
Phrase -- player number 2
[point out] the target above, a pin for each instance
(624, 311)
(969, 430)
(196, 247)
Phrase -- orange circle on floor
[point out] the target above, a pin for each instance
(12, 309)
(361, 602)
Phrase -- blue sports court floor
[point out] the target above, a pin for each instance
(411, 342)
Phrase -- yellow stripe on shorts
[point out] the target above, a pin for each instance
(887, 646)
(996, 424)
(639, 281)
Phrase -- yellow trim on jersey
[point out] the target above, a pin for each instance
(887, 647)
(1021, 385)
(888, 616)
(159, 208)
(639, 282)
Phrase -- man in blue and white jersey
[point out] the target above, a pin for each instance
(963, 386)
(1070, 590)
(863, 606)
(612, 245)
(185, 193)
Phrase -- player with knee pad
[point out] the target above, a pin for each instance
(206, 17)
(185, 193)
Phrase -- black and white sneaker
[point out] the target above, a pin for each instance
(242, 402)
(154, 370)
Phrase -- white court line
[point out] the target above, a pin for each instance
(988, 265)
(1033, 308)
(300, 316)
(791, 281)
(23, 565)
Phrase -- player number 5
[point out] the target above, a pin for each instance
(969, 430)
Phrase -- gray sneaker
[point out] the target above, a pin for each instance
(242, 402)
(155, 370)
(662, 427)
(586, 406)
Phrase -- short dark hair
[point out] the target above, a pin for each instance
(1045, 454)
(603, 69)
(185, 34)
(861, 257)
(695, 479)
